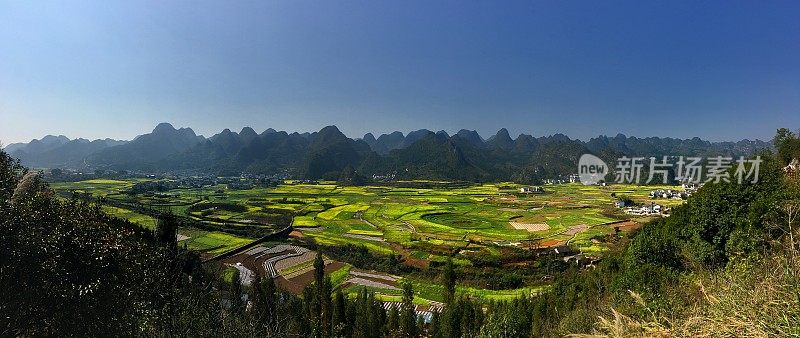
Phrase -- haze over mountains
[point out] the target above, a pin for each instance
(420, 154)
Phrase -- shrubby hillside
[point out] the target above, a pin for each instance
(724, 264)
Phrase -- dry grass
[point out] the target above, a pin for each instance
(764, 302)
(757, 301)
(622, 326)
(30, 183)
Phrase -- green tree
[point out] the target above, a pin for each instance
(393, 322)
(339, 315)
(321, 305)
(270, 300)
(449, 282)
(787, 144)
(434, 329)
(235, 293)
(781, 136)
(408, 316)
(319, 269)
(258, 298)
(504, 323)
(326, 306)
(167, 230)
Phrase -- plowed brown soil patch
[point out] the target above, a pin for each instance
(297, 283)
(416, 262)
(550, 243)
(627, 225)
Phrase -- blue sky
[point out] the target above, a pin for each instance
(721, 70)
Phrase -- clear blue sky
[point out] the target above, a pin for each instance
(721, 70)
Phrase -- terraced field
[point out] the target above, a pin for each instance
(413, 221)
(382, 218)
(422, 225)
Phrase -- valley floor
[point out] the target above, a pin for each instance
(422, 223)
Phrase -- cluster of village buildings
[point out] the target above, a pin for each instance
(574, 178)
(647, 210)
(531, 190)
(669, 194)
(655, 208)
(161, 184)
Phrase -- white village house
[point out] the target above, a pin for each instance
(531, 190)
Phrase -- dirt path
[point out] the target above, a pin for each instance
(365, 237)
(370, 283)
(361, 217)
(574, 231)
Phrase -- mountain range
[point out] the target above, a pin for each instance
(420, 154)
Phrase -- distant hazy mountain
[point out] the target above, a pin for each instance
(330, 151)
(329, 154)
(472, 137)
(247, 135)
(501, 140)
(146, 151)
(388, 142)
(38, 146)
(58, 151)
(413, 137)
(655, 146)
(436, 157)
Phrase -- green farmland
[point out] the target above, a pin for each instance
(418, 222)
(474, 225)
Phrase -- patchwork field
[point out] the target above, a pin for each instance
(383, 219)
(422, 225)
